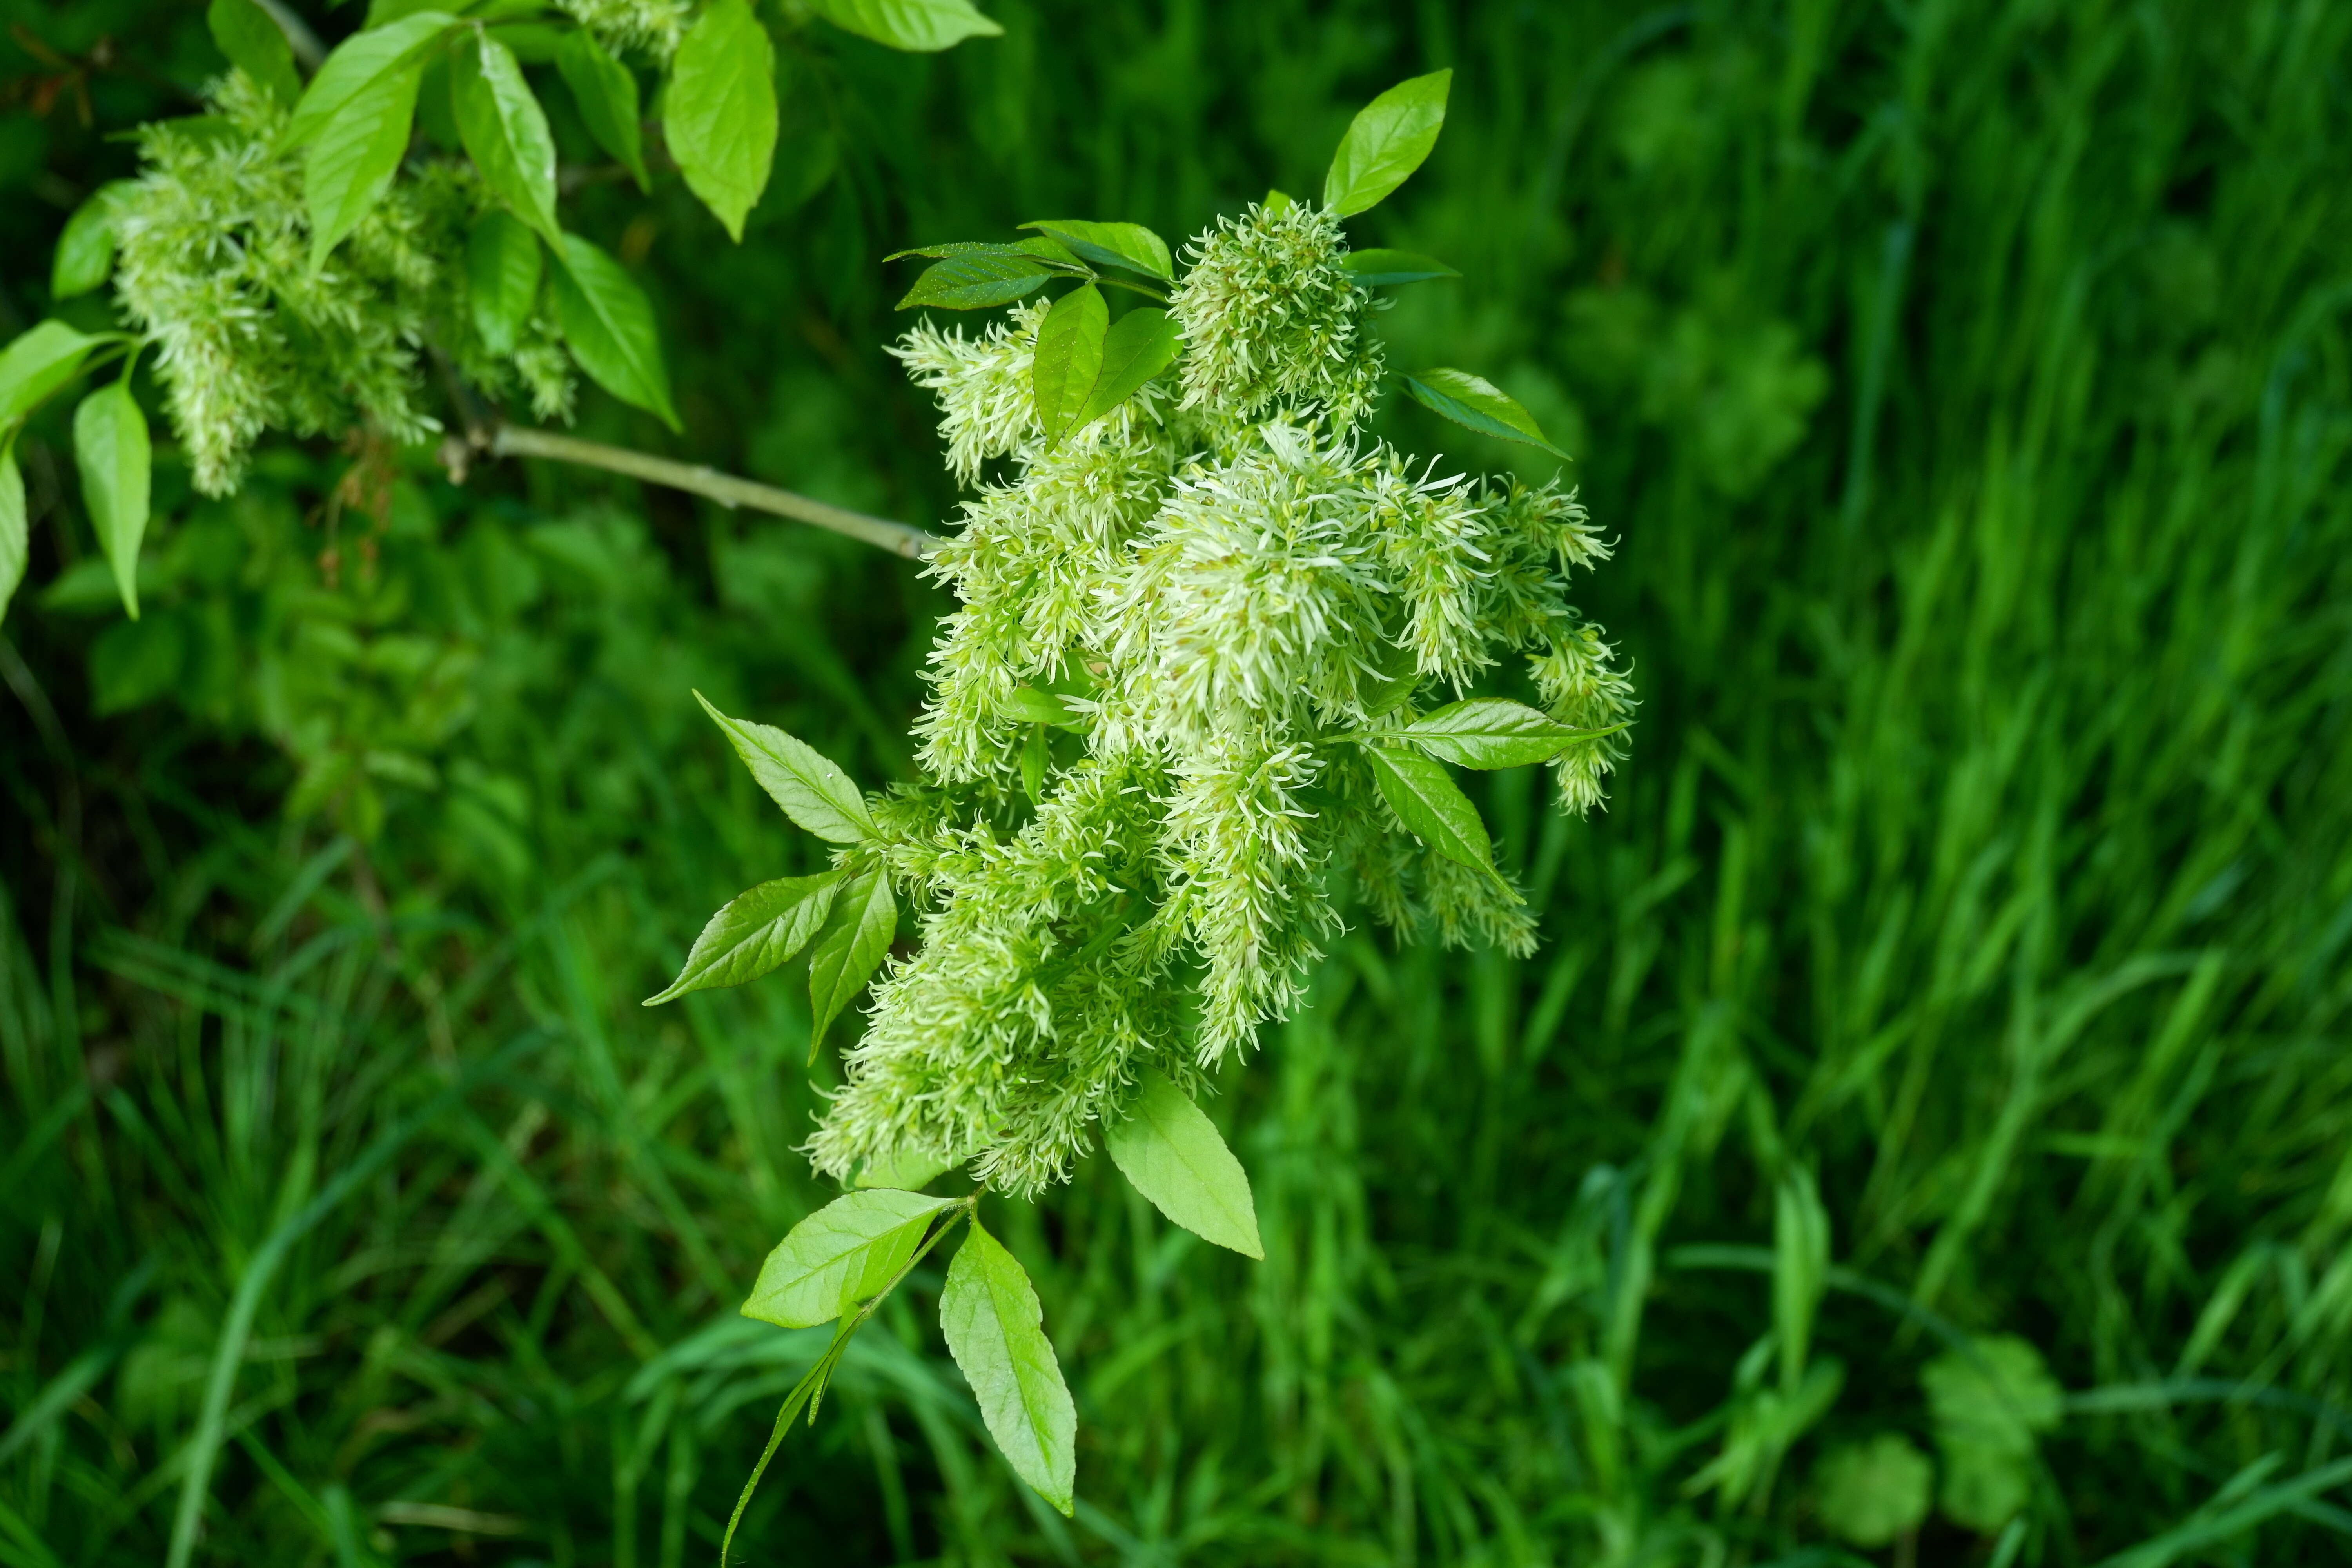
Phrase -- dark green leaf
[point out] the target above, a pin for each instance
(1070, 358)
(1490, 732)
(924, 24)
(847, 1250)
(754, 933)
(354, 155)
(85, 252)
(1170, 1150)
(111, 451)
(993, 1326)
(974, 281)
(505, 132)
(502, 270)
(610, 325)
(1374, 268)
(1138, 346)
(1432, 807)
(606, 92)
(864, 918)
(720, 110)
(358, 61)
(903, 1170)
(1386, 143)
(1127, 244)
(16, 535)
(256, 44)
(813, 792)
(36, 364)
(1479, 404)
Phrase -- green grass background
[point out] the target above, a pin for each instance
(1966, 386)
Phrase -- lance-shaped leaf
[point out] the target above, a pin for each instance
(354, 155)
(1490, 732)
(922, 25)
(85, 252)
(1053, 252)
(609, 323)
(606, 93)
(814, 792)
(1070, 358)
(847, 1250)
(1478, 403)
(976, 280)
(1433, 809)
(256, 44)
(37, 362)
(502, 272)
(1374, 268)
(993, 1326)
(1170, 1150)
(16, 533)
(1387, 142)
(864, 919)
(754, 933)
(505, 132)
(1127, 244)
(720, 110)
(1138, 346)
(358, 62)
(111, 451)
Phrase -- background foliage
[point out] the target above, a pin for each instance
(1968, 387)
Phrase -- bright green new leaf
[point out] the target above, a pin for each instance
(1479, 405)
(1386, 143)
(85, 252)
(993, 1326)
(754, 933)
(111, 451)
(720, 111)
(1169, 1149)
(358, 62)
(1070, 358)
(1433, 807)
(502, 271)
(1127, 244)
(16, 533)
(1278, 201)
(1869, 1494)
(1489, 733)
(609, 323)
(1374, 268)
(606, 93)
(903, 1170)
(976, 280)
(505, 132)
(256, 44)
(37, 364)
(814, 792)
(1138, 346)
(845, 1250)
(354, 155)
(864, 919)
(923, 25)
(1030, 705)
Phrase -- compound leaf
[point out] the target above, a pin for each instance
(1069, 359)
(606, 93)
(505, 132)
(864, 918)
(502, 271)
(111, 451)
(1386, 143)
(1490, 732)
(922, 25)
(1169, 1149)
(609, 323)
(1479, 404)
(993, 1326)
(846, 1251)
(756, 932)
(814, 792)
(720, 110)
(256, 44)
(1138, 346)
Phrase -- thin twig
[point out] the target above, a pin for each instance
(899, 538)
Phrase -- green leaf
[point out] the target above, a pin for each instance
(976, 280)
(1169, 1149)
(864, 918)
(606, 92)
(15, 532)
(355, 155)
(1490, 732)
(847, 1250)
(1035, 759)
(110, 449)
(505, 132)
(1030, 705)
(1386, 143)
(1057, 253)
(1068, 359)
(719, 110)
(903, 1170)
(1479, 405)
(923, 25)
(1375, 267)
(502, 269)
(37, 364)
(990, 1316)
(813, 792)
(1433, 807)
(610, 325)
(1278, 201)
(256, 44)
(1868, 1495)
(359, 61)
(85, 252)
(754, 933)
(1138, 346)
(1127, 244)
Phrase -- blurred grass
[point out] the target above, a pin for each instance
(1968, 386)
